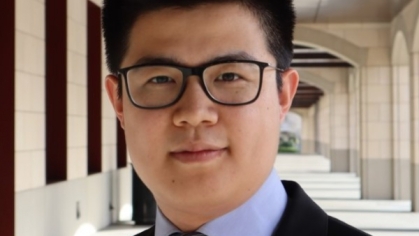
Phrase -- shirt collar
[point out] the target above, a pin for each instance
(257, 216)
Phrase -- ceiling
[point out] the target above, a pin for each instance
(347, 11)
(306, 96)
(334, 11)
(313, 57)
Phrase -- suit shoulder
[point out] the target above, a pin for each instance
(339, 228)
(148, 232)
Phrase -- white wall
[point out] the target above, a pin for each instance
(76, 89)
(50, 210)
(30, 95)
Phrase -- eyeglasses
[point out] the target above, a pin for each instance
(232, 83)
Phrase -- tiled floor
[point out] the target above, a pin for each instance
(337, 193)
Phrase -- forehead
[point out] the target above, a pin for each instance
(195, 35)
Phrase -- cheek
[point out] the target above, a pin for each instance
(268, 120)
(144, 132)
(251, 128)
(145, 147)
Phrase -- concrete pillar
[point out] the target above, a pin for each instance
(307, 141)
(415, 130)
(339, 131)
(323, 120)
(316, 129)
(375, 135)
(311, 122)
(354, 122)
(400, 87)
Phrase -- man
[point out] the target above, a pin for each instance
(201, 88)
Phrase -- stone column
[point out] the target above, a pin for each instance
(375, 134)
(311, 122)
(323, 120)
(354, 122)
(339, 148)
(415, 130)
(401, 131)
(306, 131)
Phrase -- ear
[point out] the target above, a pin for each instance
(290, 80)
(111, 84)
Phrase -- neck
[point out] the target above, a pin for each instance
(190, 213)
(191, 219)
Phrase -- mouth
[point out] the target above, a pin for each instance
(198, 155)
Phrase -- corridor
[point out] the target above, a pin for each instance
(339, 194)
(64, 163)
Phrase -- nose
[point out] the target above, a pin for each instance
(195, 108)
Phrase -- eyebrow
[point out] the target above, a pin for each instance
(241, 55)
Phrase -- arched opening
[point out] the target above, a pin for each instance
(313, 96)
(321, 53)
(290, 139)
(401, 121)
(315, 80)
(342, 48)
(305, 105)
(312, 103)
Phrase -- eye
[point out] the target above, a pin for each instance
(228, 77)
(161, 80)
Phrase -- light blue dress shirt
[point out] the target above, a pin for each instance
(257, 216)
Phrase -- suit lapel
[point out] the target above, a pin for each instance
(302, 216)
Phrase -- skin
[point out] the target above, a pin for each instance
(243, 139)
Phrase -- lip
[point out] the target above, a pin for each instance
(197, 153)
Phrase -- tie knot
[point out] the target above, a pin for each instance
(188, 234)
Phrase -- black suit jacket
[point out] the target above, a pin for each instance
(302, 217)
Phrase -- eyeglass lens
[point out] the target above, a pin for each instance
(229, 83)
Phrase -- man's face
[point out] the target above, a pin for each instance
(197, 153)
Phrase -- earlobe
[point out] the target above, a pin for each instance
(290, 80)
(111, 84)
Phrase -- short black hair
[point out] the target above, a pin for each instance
(277, 18)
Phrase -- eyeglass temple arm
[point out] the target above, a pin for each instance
(278, 69)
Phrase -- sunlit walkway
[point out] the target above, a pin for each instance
(340, 195)
(337, 193)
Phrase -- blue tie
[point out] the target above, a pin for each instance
(188, 234)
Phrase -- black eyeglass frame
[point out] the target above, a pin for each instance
(197, 71)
